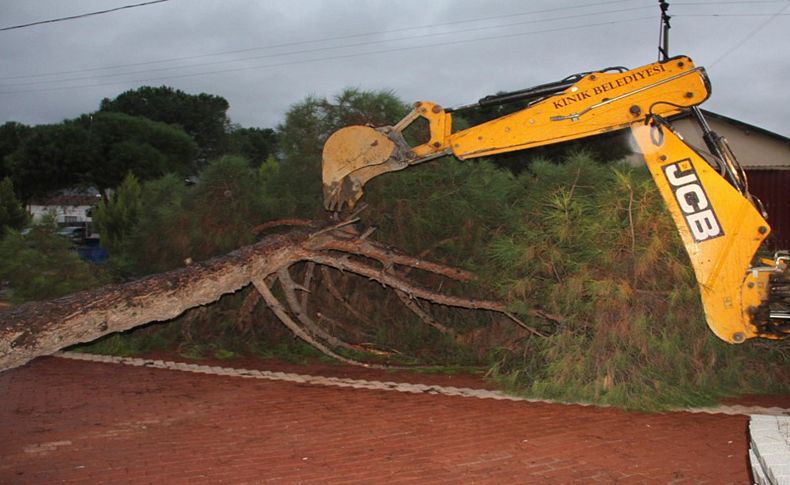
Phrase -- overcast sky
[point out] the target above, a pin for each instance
(265, 55)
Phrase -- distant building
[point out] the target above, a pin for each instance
(67, 209)
(755, 148)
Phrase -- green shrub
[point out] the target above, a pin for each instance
(160, 241)
(227, 203)
(446, 210)
(117, 216)
(42, 265)
(12, 213)
(177, 223)
(598, 248)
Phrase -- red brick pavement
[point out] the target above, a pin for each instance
(64, 421)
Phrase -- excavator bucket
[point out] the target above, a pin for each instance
(355, 154)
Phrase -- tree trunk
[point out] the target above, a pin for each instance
(42, 328)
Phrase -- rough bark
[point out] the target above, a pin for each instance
(42, 328)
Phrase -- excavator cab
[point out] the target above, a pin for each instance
(721, 224)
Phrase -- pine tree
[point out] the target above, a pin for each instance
(12, 213)
(117, 216)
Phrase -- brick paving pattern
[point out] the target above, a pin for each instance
(67, 421)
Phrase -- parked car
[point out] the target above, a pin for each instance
(75, 233)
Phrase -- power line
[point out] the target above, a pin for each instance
(82, 15)
(751, 34)
(321, 49)
(742, 2)
(330, 58)
(346, 46)
(732, 15)
(325, 39)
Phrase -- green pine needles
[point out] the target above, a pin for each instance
(591, 244)
(596, 247)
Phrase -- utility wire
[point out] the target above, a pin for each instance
(83, 15)
(732, 15)
(751, 34)
(325, 39)
(746, 2)
(318, 49)
(330, 58)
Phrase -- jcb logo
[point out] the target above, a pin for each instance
(692, 200)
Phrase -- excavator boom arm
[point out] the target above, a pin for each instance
(596, 102)
(720, 223)
(720, 229)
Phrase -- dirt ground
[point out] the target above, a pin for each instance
(66, 421)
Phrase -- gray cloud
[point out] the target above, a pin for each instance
(450, 64)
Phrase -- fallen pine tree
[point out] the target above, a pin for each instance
(42, 328)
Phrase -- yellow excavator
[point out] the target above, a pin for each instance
(721, 224)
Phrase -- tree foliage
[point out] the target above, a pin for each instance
(12, 214)
(308, 124)
(161, 240)
(116, 216)
(11, 136)
(42, 265)
(203, 116)
(53, 157)
(127, 143)
(254, 144)
(228, 204)
(597, 247)
(98, 150)
(178, 223)
(448, 209)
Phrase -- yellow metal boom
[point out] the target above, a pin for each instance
(720, 228)
(598, 102)
(720, 223)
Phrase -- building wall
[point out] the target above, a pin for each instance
(772, 187)
(752, 148)
(63, 214)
